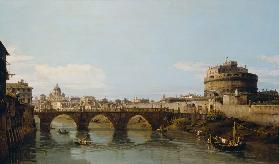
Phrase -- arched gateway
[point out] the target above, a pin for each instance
(118, 119)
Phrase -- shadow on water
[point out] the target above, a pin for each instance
(120, 137)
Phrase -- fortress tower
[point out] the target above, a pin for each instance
(229, 78)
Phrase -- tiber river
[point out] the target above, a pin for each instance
(133, 147)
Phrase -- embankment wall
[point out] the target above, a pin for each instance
(267, 115)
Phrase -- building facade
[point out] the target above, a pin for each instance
(22, 90)
(3, 71)
(228, 78)
(16, 119)
(59, 102)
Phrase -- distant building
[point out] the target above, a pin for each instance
(56, 95)
(140, 100)
(58, 101)
(227, 78)
(22, 90)
(88, 102)
(265, 97)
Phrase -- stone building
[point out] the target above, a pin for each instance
(3, 105)
(89, 102)
(227, 78)
(140, 100)
(22, 90)
(265, 97)
(16, 119)
(56, 95)
(58, 101)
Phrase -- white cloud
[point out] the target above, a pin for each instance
(270, 73)
(19, 64)
(72, 76)
(16, 57)
(196, 68)
(270, 59)
(267, 76)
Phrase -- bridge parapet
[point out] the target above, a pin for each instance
(111, 110)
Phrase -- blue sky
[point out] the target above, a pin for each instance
(144, 48)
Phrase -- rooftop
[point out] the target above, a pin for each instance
(19, 84)
(3, 49)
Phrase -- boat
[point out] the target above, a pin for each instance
(83, 141)
(236, 144)
(162, 130)
(63, 131)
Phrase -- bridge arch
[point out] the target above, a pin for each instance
(45, 119)
(100, 121)
(119, 119)
(138, 121)
(65, 120)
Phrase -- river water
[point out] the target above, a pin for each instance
(135, 146)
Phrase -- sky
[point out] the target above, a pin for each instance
(137, 48)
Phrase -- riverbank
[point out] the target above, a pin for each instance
(222, 126)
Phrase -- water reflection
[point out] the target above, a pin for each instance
(139, 146)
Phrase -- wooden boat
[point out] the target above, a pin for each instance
(83, 141)
(162, 130)
(227, 145)
(63, 131)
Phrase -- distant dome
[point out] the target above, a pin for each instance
(57, 88)
(56, 91)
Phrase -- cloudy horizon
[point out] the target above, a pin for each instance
(147, 48)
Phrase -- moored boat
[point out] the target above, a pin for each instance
(236, 144)
(231, 145)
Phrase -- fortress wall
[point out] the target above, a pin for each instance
(231, 84)
(267, 115)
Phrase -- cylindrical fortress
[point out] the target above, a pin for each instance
(227, 78)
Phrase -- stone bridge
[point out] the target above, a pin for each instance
(119, 118)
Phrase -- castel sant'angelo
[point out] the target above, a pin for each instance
(227, 78)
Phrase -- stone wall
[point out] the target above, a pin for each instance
(17, 122)
(267, 115)
(181, 107)
(235, 100)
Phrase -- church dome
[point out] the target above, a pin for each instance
(57, 88)
(56, 91)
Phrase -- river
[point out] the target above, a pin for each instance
(135, 146)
